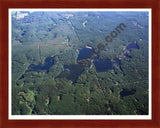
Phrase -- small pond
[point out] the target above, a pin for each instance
(129, 47)
(127, 92)
(132, 46)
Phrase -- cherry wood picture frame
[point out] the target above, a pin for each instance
(5, 5)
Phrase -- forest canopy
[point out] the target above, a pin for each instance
(62, 63)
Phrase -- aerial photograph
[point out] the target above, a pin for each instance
(79, 62)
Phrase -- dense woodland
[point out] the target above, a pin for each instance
(72, 87)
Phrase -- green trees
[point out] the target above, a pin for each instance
(60, 35)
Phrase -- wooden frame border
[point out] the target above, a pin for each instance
(6, 4)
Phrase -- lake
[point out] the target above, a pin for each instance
(72, 72)
(49, 61)
(103, 65)
(85, 53)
